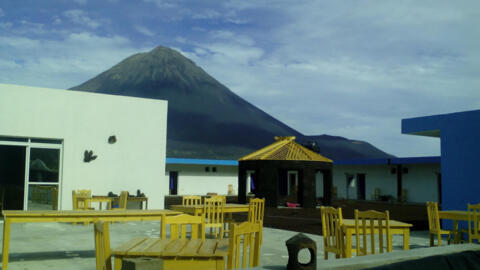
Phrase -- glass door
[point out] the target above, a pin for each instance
(43, 178)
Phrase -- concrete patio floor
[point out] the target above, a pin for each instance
(66, 246)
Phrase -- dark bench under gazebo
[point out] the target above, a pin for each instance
(284, 172)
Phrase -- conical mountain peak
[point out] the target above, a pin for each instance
(205, 118)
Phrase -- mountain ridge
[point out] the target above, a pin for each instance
(205, 118)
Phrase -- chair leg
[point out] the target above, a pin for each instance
(326, 255)
(117, 263)
(439, 239)
(431, 239)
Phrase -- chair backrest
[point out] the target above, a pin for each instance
(369, 224)
(192, 200)
(102, 245)
(214, 214)
(122, 201)
(183, 225)
(84, 193)
(332, 221)
(433, 217)
(244, 241)
(256, 210)
(223, 197)
(474, 222)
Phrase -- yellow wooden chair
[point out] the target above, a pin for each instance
(369, 224)
(183, 225)
(81, 193)
(333, 240)
(192, 200)
(122, 201)
(102, 245)
(473, 222)
(244, 242)
(214, 215)
(434, 225)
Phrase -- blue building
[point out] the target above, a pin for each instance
(459, 135)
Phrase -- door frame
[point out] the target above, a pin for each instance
(30, 143)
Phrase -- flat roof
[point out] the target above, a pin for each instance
(193, 161)
(371, 161)
(431, 125)
(388, 161)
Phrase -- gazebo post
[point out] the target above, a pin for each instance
(242, 184)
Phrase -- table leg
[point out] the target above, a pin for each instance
(348, 243)
(6, 243)
(455, 229)
(406, 239)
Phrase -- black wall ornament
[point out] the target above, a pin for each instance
(88, 156)
(112, 139)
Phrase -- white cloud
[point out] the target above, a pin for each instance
(207, 14)
(80, 17)
(145, 31)
(61, 63)
(2, 13)
(162, 3)
(80, 2)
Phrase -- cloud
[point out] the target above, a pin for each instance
(145, 31)
(162, 3)
(2, 13)
(63, 62)
(80, 2)
(80, 17)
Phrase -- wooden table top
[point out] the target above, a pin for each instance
(453, 214)
(350, 223)
(228, 208)
(92, 213)
(156, 247)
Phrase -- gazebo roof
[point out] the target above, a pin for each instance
(285, 148)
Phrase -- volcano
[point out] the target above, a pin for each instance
(206, 120)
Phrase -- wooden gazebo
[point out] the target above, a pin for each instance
(284, 172)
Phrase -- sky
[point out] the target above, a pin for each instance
(347, 68)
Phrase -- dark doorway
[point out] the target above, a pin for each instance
(173, 183)
(12, 176)
(361, 191)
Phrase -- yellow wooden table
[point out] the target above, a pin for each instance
(396, 227)
(176, 253)
(87, 201)
(14, 216)
(197, 210)
(455, 216)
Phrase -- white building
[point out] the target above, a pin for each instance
(201, 176)
(45, 134)
(415, 179)
(369, 179)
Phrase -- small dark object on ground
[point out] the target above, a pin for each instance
(294, 245)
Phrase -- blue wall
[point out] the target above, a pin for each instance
(460, 150)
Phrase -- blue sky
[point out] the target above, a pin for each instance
(346, 68)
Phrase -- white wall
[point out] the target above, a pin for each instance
(376, 176)
(194, 180)
(421, 182)
(84, 121)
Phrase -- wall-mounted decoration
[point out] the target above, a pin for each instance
(88, 156)
(112, 139)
